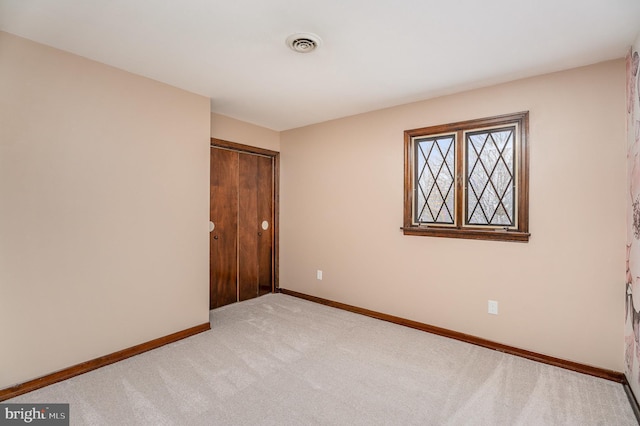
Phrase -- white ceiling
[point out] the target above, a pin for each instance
(375, 53)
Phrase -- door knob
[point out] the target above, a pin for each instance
(215, 237)
(259, 234)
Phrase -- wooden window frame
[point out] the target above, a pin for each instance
(518, 233)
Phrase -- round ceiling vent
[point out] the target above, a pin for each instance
(303, 42)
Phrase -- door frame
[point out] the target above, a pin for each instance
(275, 155)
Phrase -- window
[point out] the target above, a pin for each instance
(468, 179)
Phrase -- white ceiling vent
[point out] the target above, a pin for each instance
(303, 42)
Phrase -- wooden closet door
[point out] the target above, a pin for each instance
(248, 227)
(242, 241)
(255, 251)
(265, 196)
(223, 262)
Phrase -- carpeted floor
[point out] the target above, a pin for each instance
(279, 360)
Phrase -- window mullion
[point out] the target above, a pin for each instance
(460, 178)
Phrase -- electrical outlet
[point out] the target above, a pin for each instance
(319, 275)
(492, 307)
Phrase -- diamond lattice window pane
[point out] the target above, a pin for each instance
(477, 180)
(501, 217)
(501, 138)
(490, 202)
(490, 188)
(477, 141)
(507, 201)
(489, 156)
(478, 217)
(501, 178)
(435, 180)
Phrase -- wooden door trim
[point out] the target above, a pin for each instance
(219, 143)
(233, 146)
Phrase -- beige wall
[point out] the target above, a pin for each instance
(232, 130)
(561, 294)
(103, 207)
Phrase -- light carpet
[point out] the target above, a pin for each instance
(279, 360)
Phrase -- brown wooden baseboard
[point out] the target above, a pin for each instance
(85, 367)
(558, 362)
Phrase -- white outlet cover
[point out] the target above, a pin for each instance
(319, 274)
(492, 307)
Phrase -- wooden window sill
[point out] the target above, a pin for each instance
(471, 234)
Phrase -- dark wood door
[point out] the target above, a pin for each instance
(266, 198)
(223, 240)
(248, 228)
(242, 208)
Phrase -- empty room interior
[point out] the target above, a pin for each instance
(295, 212)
